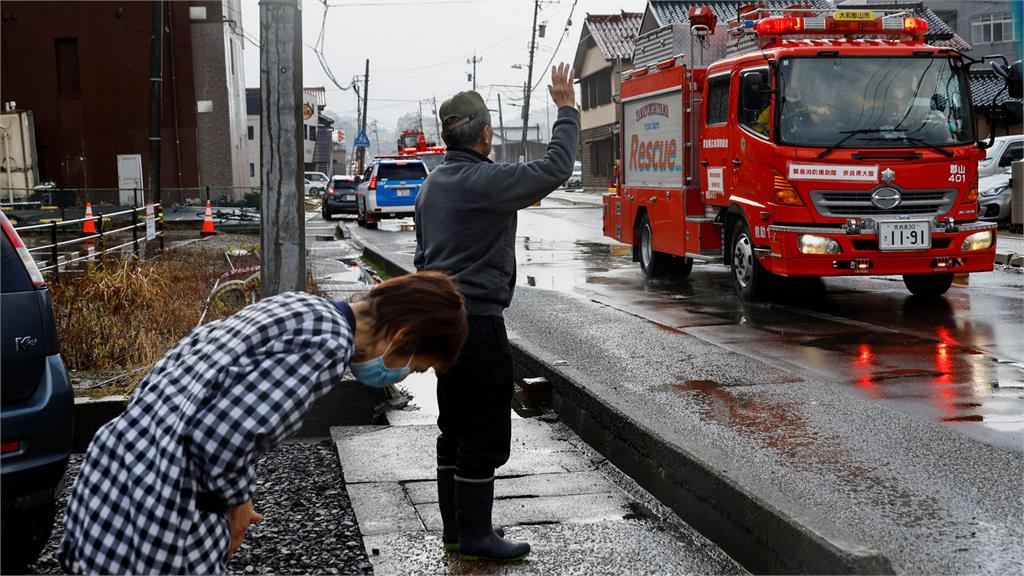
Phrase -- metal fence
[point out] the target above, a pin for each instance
(62, 198)
(123, 229)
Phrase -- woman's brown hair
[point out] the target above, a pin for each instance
(427, 310)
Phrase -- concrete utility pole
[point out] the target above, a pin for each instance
(376, 137)
(282, 221)
(437, 125)
(474, 60)
(529, 80)
(156, 92)
(501, 128)
(420, 118)
(361, 152)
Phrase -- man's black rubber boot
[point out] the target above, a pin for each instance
(446, 502)
(477, 537)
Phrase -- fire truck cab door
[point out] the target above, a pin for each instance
(716, 170)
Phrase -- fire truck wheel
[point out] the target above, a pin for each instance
(748, 276)
(654, 265)
(928, 285)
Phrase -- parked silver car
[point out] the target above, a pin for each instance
(1002, 153)
(994, 197)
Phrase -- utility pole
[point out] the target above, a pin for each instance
(361, 152)
(156, 93)
(420, 118)
(529, 80)
(282, 218)
(474, 60)
(437, 125)
(501, 128)
(376, 138)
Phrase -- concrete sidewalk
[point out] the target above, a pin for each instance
(553, 493)
(1009, 249)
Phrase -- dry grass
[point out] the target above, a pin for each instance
(122, 317)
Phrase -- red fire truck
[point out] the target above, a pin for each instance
(414, 143)
(815, 143)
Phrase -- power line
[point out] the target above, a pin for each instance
(565, 32)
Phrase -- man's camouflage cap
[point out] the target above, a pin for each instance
(461, 108)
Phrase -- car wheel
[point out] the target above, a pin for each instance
(928, 285)
(749, 278)
(25, 533)
(654, 265)
(360, 216)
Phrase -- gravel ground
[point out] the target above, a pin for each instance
(309, 526)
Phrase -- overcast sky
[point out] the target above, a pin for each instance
(418, 49)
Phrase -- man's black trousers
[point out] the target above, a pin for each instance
(475, 400)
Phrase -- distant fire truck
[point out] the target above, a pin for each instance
(815, 143)
(414, 143)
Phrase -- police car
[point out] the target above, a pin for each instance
(389, 190)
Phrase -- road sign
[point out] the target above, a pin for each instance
(150, 222)
(362, 141)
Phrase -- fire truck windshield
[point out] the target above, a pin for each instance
(409, 140)
(843, 102)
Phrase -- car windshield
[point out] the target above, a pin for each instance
(405, 171)
(431, 160)
(879, 102)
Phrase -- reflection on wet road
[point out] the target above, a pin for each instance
(958, 360)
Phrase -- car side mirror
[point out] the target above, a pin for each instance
(753, 90)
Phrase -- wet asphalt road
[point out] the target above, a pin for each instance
(844, 401)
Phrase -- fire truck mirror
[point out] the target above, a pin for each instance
(755, 87)
(1015, 79)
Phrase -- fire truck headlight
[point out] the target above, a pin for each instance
(978, 241)
(811, 244)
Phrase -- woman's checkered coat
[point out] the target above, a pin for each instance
(156, 481)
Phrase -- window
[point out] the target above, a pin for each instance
(1014, 152)
(755, 114)
(596, 89)
(252, 132)
(993, 28)
(402, 171)
(252, 168)
(68, 77)
(718, 100)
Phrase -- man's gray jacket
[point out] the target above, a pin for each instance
(466, 214)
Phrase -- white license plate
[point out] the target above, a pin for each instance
(912, 235)
(402, 193)
(349, 197)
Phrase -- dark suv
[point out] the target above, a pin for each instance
(36, 406)
(340, 197)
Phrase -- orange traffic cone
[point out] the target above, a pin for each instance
(208, 222)
(89, 225)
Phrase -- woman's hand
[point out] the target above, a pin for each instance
(239, 519)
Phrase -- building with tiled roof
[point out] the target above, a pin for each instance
(604, 51)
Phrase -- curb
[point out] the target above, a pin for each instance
(753, 531)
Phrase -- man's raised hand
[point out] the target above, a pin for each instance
(563, 93)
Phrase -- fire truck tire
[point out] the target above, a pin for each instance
(654, 265)
(928, 285)
(749, 278)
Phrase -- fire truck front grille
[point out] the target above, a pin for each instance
(847, 203)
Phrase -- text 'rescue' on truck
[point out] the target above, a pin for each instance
(815, 144)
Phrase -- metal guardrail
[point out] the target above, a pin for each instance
(234, 196)
(55, 262)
